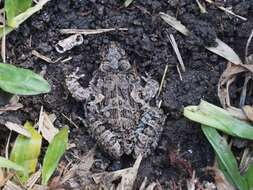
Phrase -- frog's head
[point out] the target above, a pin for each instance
(114, 59)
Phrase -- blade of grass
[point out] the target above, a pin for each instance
(21, 81)
(216, 117)
(5, 163)
(128, 2)
(16, 21)
(10, 7)
(26, 151)
(249, 176)
(53, 154)
(225, 156)
(23, 5)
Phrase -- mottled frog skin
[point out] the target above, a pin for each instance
(117, 103)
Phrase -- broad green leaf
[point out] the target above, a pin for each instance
(216, 117)
(249, 176)
(53, 154)
(225, 156)
(10, 7)
(21, 81)
(26, 151)
(128, 2)
(5, 163)
(23, 5)
(15, 7)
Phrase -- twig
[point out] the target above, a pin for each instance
(163, 79)
(179, 72)
(90, 31)
(43, 57)
(70, 120)
(3, 47)
(247, 46)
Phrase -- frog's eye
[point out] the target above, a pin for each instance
(124, 65)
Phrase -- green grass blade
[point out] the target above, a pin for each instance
(225, 156)
(53, 154)
(21, 81)
(10, 7)
(249, 176)
(26, 151)
(128, 2)
(14, 8)
(213, 116)
(23, 5)
(5, 163)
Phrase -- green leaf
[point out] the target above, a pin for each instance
(15, 7)
(10, 7)
(21, 81)
(5, 163)
(23, 5)
(53, 154)
(128, 2)
(26, 151)
(214, 116)
(225, 156)
(249, 176)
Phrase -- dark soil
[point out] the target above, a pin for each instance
(147, 44)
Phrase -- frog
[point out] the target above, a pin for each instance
(121, 108)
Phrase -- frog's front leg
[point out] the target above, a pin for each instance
(150, 89)
(106, 139)
(148, 131)
(74, 87)
(143, 94)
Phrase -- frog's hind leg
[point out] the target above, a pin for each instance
(106, 139)
(149, 131)
(76, 90)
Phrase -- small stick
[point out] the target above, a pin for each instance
(70, 120)
(247, 46)
(43, 57)
(163, 79)
(90, 31)
(179, 72)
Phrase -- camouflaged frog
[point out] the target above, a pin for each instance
(118, 106)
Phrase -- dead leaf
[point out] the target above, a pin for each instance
(46, 126)
(248, 110)
(223, 50)
(228, 77)
(127, 176)
(18, 128)
(11, 186)
(220, 180)
(13, 105)
(33, 179)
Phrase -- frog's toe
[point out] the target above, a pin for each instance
(111, 145)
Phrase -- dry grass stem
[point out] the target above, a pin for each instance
(201, 7)
(90, 31)
(163, 79)
(175, 48)
(45, 58)
(226, 10)
(247, 48)
(75, 125)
